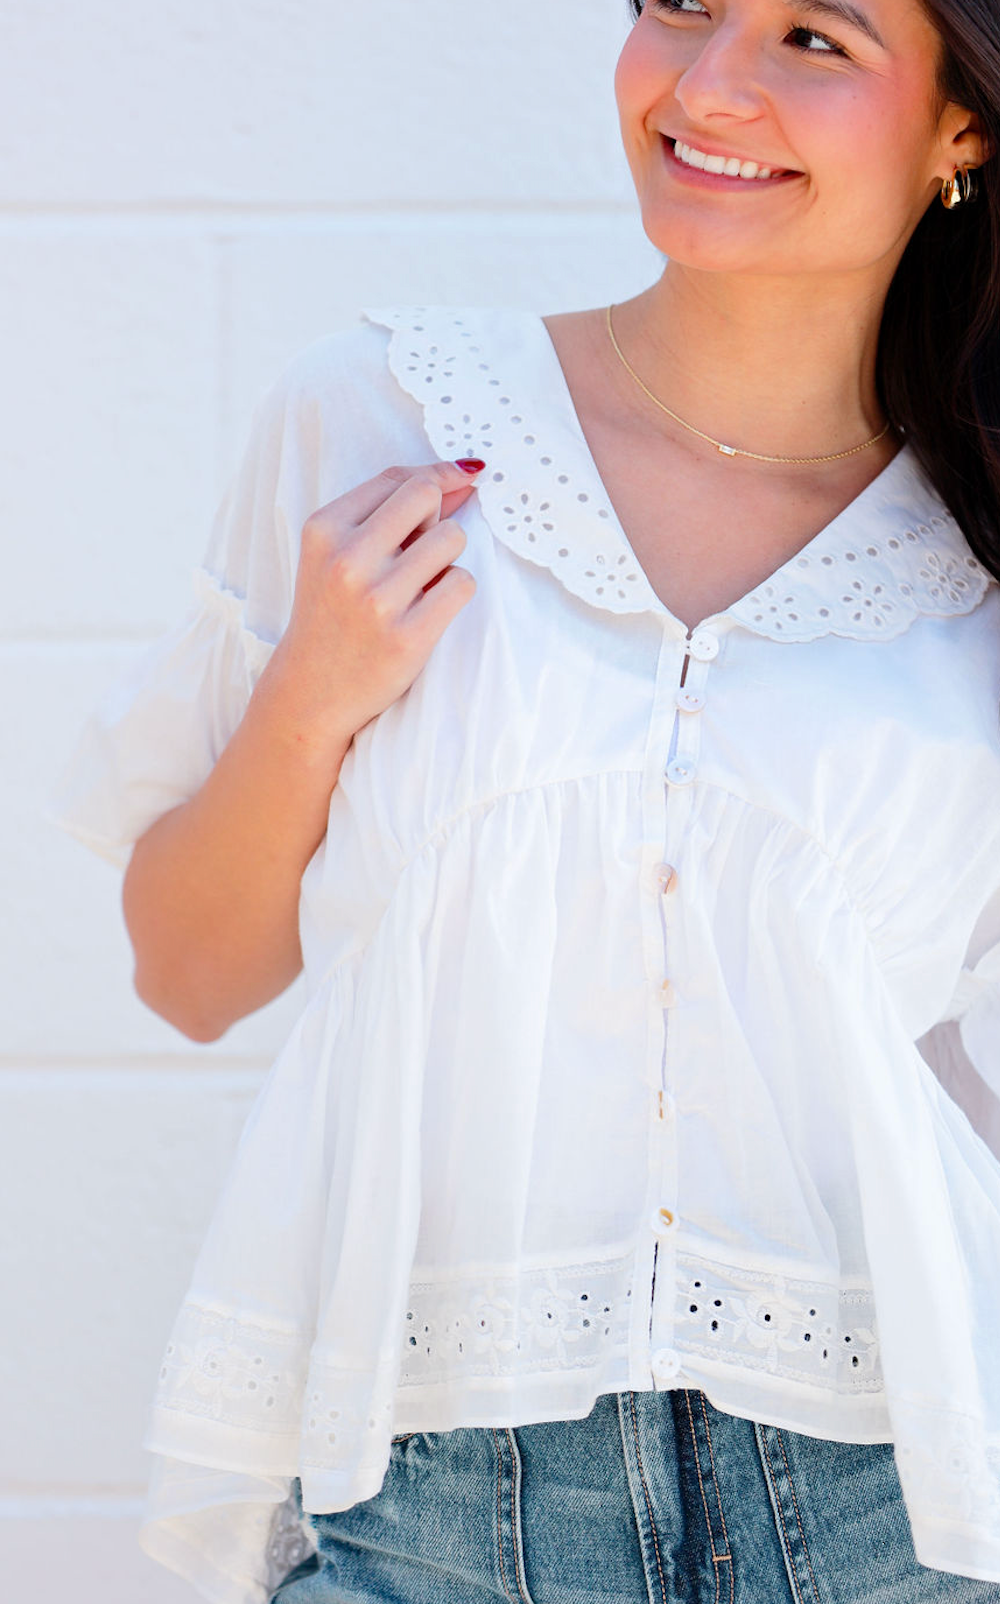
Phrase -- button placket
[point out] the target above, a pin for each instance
(690, 699)
(691, 694)
(664, 820)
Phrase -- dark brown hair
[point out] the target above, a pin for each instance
(939, 344)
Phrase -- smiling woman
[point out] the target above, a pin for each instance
(621, 1220)
(941, 310)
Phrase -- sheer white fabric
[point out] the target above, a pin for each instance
(555, 1122)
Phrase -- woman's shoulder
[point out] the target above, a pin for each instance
(373, 371)
(321, 372)
(364, 351)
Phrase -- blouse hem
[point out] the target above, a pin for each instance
(956, 1549)
(117, 853)
(197, 1567)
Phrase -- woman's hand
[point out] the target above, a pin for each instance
(375, 590)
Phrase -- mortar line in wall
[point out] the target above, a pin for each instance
(69, 1506)
(117, 638)
(469, 219)
(386, 204)
(116, 1064)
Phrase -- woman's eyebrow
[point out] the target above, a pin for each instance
(842, 11)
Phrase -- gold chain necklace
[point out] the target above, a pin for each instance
(735, 451)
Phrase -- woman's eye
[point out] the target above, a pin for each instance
(820, 45)
(691, 8)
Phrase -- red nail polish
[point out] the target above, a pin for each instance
(470, 464)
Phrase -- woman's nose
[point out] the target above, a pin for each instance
(723, 78)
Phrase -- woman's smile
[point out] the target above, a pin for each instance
(716, 169)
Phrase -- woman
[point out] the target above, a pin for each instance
(601, 1232)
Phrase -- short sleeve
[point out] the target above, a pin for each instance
(158, 732)
(963, 1049)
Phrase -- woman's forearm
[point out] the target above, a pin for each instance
(211, 893)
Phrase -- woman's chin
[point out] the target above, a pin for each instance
(710, 249)
(694, 251)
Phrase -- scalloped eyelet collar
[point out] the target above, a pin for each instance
(491, 385)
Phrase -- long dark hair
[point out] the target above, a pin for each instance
(939, 345)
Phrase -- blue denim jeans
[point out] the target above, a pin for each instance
(654, 1498)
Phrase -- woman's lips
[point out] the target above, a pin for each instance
(703, 177)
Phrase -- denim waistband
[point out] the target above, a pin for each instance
(654, 1497)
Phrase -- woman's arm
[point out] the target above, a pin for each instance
(211, 892)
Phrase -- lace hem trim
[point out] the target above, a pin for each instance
(807, 1331)
(249, 1375)
(948, 1466)
(290, 1542)
(542, 498)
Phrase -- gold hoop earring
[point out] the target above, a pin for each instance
(960, 187)
(951, 192)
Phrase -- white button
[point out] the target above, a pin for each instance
(665, 876)
(680, 771)
(668, 993)
(666, 1364)
(663, 1222)
(704, 645)
(690, 701)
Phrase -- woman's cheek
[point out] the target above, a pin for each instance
(638, 83)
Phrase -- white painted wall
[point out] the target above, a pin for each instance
(189, 191)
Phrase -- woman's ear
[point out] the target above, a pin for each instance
(963, 141)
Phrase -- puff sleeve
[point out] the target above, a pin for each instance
(158, 732)
(963, 1049)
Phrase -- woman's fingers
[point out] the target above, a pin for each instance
(359, 630)
(422, 562)
(411, 509)
(425, 488)
(435, 608)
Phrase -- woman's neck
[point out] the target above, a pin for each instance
(784, 367)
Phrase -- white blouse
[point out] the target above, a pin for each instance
(652, 1035)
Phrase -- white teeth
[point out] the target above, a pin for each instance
(731, 166)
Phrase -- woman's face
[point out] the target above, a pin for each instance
(837, 98)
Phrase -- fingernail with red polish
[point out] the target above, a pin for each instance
(470, 464)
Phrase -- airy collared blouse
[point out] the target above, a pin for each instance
(652, 1032)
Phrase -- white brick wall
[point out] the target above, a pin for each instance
(189, 191)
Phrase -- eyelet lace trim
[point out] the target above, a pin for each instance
(507, 1326)
(868, 589)
(289, 1542)
(250, 1375)
(948, 1468)
(542, 497)
(538, 496)
(803, 1330)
